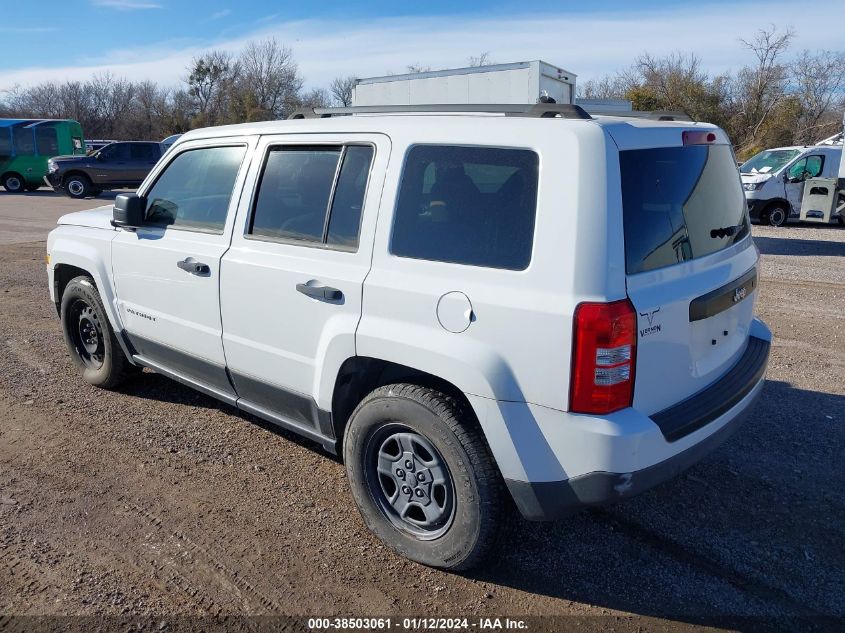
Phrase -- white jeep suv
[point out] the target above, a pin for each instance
(506, 302)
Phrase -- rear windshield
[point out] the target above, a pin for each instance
(680, 203)
(768, 161)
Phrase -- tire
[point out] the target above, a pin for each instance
(13, 183)
(77, 186)
(402, 433)
(776, 215)
(840, 206)
(89, 335)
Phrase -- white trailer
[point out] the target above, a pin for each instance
(520, 82)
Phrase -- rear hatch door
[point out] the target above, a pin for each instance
(690, 264)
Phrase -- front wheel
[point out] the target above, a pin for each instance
(777, 215)
(422, 476)
(89, 335)
(77, 186)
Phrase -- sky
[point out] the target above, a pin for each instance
(156, 39)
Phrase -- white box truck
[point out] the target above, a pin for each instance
(519, 82)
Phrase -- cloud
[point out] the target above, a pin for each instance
(587, 44)
(126, 5)
(219, 14)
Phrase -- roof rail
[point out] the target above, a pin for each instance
(537, 110)
(653, 115)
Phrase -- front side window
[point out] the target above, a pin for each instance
(47, 141)
(194, 190)
(467, 205)
(808, 167)
(114, 152)
(312, 194)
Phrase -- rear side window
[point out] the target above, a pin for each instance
(24, 141)
(5, 142)
(194, 190)
(467, 205)
(680, 203)
(313, 194)
(144, 152)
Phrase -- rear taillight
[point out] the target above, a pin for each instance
(603, 357)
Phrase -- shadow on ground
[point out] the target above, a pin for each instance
(752, 531)
(786, 246)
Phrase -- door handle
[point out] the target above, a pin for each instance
(194, 267)
(315, 290)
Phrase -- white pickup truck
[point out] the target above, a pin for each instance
(464, 302)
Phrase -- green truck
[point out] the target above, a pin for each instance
(27, 144)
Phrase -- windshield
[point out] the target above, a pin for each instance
(768, 161)
(679, 203)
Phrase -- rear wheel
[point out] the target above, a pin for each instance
(89, 335)
(776, 215)
(77, 186)
(422, 476)
(13, 183)
(840, 208)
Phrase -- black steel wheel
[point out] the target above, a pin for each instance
(89, 336)
(410, 481)
(423, 477)
(777, 215)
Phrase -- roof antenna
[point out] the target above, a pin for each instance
(545, 98)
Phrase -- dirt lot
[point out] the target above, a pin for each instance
(158, 501)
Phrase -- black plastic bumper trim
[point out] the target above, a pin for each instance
(699, 410)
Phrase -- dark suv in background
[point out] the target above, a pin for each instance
(123, 164)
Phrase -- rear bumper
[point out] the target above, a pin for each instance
(680, 436)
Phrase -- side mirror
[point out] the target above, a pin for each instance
(128, 210)
(785, 177)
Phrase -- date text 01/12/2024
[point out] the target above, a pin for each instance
(417, 624)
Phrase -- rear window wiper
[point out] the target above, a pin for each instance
(726, 231)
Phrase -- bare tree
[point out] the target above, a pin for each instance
(271, 77)
(481, 60)
(209, 76)
(316, 98)
(417, 68)
(759, 89)
(341, 90)
(820, 86)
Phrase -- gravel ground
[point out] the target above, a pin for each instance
(156, 501)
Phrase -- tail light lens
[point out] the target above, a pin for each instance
(604, 357)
